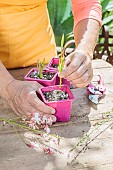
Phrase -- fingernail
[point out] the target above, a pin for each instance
(54, 119)
(53, 111)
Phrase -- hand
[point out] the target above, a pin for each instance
(22, 97)
(78, 69)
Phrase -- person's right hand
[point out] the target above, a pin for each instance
(22, 97)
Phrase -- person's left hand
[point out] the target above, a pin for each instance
(78, 69)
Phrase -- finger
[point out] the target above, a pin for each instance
(13, 108)
(51, 117)
(73, 66)
(22, 111)
(35, 85)
(85, 83)
(83, 78)
(44, 119)
(33, 112)
(80, 71)
(67, 61)
(40, 106)
(21, 107)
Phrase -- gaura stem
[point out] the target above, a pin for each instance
(60, 81)
(11, 122)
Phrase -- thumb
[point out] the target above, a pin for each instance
(35, 86)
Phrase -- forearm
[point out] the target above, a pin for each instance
(86, 35)
(5, 79)
(87, 21)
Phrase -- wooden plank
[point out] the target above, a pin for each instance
(81, 106)
(15, 155)
(99, 63)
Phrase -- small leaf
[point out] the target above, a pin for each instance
(62, 41)
(107, 20)
(43, 62)
(104, 5)
(40, 66)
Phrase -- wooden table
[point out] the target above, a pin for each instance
(86, 118)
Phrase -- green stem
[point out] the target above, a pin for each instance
(90, 142)
(28, 128)
(18, 134)
(60, 81)
(41, 73)
(87, 137)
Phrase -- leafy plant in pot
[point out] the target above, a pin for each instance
(43, 76)
(60, 98)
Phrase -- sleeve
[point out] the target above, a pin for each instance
(83, 9)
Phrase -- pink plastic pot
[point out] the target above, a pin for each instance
(62, 107)
(42, 81)
(64, 81)
(53, 61)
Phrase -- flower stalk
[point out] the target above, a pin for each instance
(12, 122)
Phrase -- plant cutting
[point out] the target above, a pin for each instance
(61, 65)
(57, 64)
(40, 66)
(62, 58)
(60, 98)
(43, 76)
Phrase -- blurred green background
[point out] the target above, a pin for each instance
(62, 19)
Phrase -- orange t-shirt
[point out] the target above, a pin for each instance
(83, 9)
(25, 33)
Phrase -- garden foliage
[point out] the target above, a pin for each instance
(62, 19)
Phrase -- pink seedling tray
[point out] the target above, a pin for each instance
(62, 107)
(53, 61)
(42, 81)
